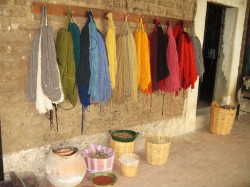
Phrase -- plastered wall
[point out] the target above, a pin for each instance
(21, 121)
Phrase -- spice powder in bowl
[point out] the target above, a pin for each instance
(103, 179)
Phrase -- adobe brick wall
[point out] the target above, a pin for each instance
(22, 126)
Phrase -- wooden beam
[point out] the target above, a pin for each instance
(62, 10)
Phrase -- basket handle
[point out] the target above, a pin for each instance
(109, 133)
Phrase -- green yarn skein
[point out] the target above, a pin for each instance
(66, 63)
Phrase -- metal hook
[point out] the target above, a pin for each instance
(126, 17)
(141, 21)
(157, 21)
(44, 2)
(90, 13)
(68, 11)
(44, 10)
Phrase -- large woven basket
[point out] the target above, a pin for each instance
(221, 120)
(121, 148)
(157, 154)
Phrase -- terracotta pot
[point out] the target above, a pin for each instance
(65, 167)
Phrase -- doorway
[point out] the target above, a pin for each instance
(213, 30)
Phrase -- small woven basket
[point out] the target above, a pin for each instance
(121, 148)
(157, 153)
(129, 164)
(221, 120)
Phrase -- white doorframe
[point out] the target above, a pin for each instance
(236, 39)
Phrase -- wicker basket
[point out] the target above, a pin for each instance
(121, 148)
(157, 154)
(129, 164)
(221, 120)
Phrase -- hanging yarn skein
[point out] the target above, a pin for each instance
(143, 58)
(187, 68)
(159, 69)
(192, 67)
(33, 67)
(44, 81)
(199, 62)
(172, 82)
(126, 76)
(111, 49)
(122, 77)
(99, 85)
(94, 68)
(75, 34)
(50, 77)
(66, 63)
(132, 64)
(83, 73)
(93, 76)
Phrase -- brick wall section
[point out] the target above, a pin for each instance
(22, 126)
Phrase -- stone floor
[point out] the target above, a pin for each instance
(197, 159)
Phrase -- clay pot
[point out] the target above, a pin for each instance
(65, 167)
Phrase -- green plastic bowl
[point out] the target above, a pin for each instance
(119, 139)
(98, 174)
